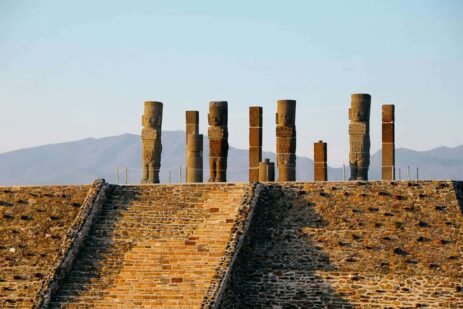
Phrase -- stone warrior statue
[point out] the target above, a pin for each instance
(286, 140)
(359, 136)
(151, 141)
(218, 140)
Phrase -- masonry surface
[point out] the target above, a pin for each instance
(280, 245)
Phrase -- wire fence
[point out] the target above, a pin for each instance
(177, 174)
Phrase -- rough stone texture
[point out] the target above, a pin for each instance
(273, 245)
(194, 159)
(192, 123)
(34, 222)
(255, 141)
(156, 246)
(320, 163)
(388, 139)
(346, 245)
(192, 127)
(359, 136)
(72, 242)
(151, 141)
(286, 140)
(266, 171)
(234, 245)
(218, 140)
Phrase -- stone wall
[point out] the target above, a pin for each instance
(158, 246)
(344, 245)
(273, 245)
(33, 223)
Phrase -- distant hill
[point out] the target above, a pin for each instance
(84, 160)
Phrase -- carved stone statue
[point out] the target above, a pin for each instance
(218, 140)
(286, 140)
(359, 136)
(151, 141)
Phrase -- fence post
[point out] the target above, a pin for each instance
(408, 173)
(117, 175)
(126, 175)
(344, 172)
(417, 174)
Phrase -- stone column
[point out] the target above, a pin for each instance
(359, 136)
(320, 161)
(151, 141)
(286, 140)
(194, 161)
(218, 140)
(192, 127)
(255, 141)
(266, 171)
(388, 147)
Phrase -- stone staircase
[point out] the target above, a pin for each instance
(156, 246)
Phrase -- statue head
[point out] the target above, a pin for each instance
(360, 107)
(286, 113)
(153, 114)
(218, 113)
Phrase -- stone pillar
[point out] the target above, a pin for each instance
(255, 141)
(192, 127)
(218, 140)
(359, 136)
(286, 140)
(266, 171)
(320, 161)
(388, 147)
(194, 160)
(151, 141)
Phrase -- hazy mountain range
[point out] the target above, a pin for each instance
(85, 160)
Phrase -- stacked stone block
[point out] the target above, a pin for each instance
(359, 136)
(218, 140)
(194, 160)
(320, 161)
(266, 171)
(388, 145)
(255, 141)
(194, 148)
(151, 141)
(192, 123)
(286, 140)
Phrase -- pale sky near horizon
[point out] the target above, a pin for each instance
(76, 69)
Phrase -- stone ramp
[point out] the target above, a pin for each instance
(156, 246)
(33, 223)
(352, 245)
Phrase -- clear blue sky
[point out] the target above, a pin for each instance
(77, 69)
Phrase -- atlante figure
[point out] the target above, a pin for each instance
(359, 136)
(151, 142)
(218, 140)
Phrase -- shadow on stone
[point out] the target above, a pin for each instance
(458, 185)
(278, 263)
